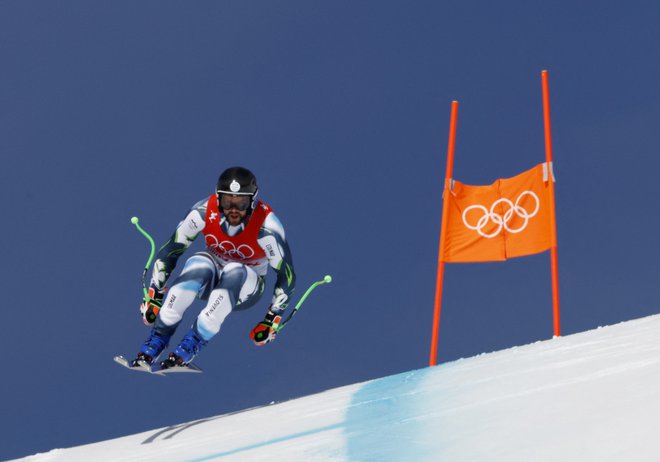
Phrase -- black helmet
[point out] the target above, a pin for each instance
(237, 181)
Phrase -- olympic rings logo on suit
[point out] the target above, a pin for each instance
(502, 221)
(228, 249)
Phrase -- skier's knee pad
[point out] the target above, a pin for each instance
(232, 279)
(241, 281)
(197, 275)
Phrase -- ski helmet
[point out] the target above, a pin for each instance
(238, 181)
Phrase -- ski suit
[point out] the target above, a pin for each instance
(230, 274)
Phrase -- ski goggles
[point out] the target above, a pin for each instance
(240, 203)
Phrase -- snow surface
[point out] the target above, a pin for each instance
(593, 396)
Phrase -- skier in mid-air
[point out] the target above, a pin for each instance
(243, 237)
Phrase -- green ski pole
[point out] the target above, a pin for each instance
(135, 221)
(327, 279)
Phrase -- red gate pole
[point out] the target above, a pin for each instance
(445, 210)
(553, 216)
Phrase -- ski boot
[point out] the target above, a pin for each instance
(190, 345)
(151, 349)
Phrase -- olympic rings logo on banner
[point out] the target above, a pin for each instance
(502, 221)
(228, 249)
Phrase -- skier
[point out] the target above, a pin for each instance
(243, 237)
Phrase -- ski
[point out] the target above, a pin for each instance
(190, 367)
(156, 370)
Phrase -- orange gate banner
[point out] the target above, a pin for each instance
(509, 218)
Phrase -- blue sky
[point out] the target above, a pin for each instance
(115, 109)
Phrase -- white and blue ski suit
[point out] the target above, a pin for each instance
(230, 274)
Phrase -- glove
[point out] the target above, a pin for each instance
(151, 305)
(266, 330)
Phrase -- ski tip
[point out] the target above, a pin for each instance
(141, 367)
(121, 360)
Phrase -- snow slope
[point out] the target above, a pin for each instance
(593, 396)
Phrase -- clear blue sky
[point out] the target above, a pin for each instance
(341, 108)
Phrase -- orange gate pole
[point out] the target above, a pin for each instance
(553, 216)
(445, 210)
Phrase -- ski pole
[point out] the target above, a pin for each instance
(326, 279)
(135, 221)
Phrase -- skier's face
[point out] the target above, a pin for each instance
(234, 208)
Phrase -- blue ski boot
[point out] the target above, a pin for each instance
(191, 344)
(152, 348)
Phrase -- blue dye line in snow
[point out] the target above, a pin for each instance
(267, 443)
